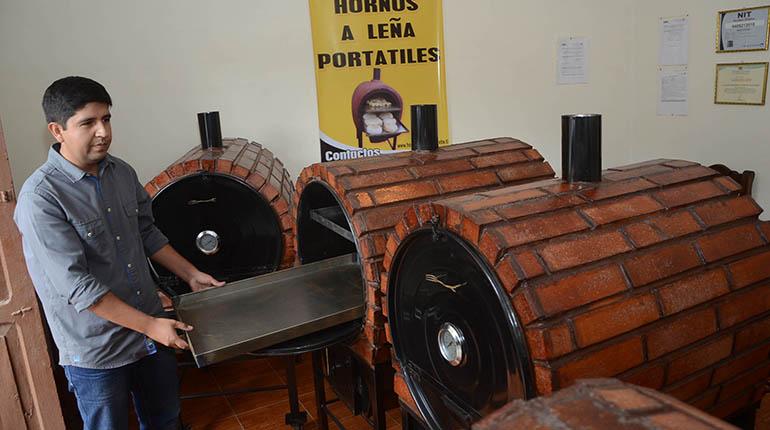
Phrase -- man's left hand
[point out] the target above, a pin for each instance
(202, 281)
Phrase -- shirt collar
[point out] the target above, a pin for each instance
(71, 171)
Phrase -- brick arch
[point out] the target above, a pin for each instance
(375, 192)
(249, 162)
(659, 275)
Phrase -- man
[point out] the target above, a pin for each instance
(87, 228)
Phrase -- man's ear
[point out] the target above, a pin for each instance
(56, 130)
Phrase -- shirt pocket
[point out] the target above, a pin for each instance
(93, 235)
(132, 213)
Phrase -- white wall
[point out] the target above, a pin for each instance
(736, 136)
(163, 61)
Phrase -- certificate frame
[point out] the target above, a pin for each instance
(720, 19)
(756, 100)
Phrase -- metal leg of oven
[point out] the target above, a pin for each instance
(377, 399)
(320, 395)
(295, 417)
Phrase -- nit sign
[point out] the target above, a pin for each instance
(746, 14)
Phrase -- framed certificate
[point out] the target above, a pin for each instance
(741, 84)
(742, 29)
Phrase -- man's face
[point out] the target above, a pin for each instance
(87, 137)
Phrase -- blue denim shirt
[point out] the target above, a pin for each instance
(84, 236)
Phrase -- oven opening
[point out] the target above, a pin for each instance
(323, 229)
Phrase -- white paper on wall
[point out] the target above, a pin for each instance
(572, 62)
(672, 87)
(674, 41)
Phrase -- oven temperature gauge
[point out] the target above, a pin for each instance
(207, 242)
(451, 343)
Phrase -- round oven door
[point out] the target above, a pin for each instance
(454, 331)
(221, 225)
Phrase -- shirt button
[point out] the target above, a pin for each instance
(109, 209)
(130, 266)
(137, 210)
(117, 237)
(138, 292)
(90, 234)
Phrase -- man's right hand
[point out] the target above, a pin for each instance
(163, 331)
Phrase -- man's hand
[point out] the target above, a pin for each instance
(178, 265)
(163, 331)
(201, 281)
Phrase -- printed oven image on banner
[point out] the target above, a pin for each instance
(375, 59)
(377, 110)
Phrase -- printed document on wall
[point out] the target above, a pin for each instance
(673, 91)
(573, 61)
(674, 41)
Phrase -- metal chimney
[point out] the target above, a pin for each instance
(581, 147)
(424, 128)
(210, 130)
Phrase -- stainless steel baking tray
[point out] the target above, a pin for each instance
(258, 312)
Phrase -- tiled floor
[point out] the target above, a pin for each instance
(261, 410)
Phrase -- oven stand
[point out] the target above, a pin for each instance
(379, 420)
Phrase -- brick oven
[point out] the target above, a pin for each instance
(219, 200)
(658, 275)
(351, 206)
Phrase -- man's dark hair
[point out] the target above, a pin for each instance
(67, 95)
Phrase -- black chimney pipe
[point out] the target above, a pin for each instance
(210, 130)
(581, 148)
(424, 128)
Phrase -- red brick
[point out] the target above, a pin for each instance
(467, 181)
(522, 171)
(537, 206)
(699, 358)
(627, 399)
(686, 194)
(729, 242)
(705, 400)
(681, 175)
(750, 270)
(549, 343)
(741, 364)
(744, 305)
(608, 361)
(676, 420)
(523, 304)
(380, 217)
(536, 229)
(508, 276)
(583, 250)
(681, 331)
(679, 163)
(640, 164)
(636, 173)
(505, 144)
(661, 263)
(693, 290)
(622, 209)
(580, 288)
(433, 169)
(650, 376)
(491, 245)
(752, 335)
(677, 224)
(529, 264)
(374, 179)
(727, 408)
(643, 234)
(399, 193)
(728, 183)
(745, 381)
(690, 388)
(488, 200)
(614, 319)
(614, 189)
(499, 158)
(544, 379)
(724, 211)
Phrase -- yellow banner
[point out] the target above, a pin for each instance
(373, 60)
